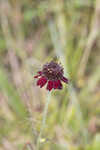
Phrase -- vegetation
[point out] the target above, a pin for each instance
(31, 34)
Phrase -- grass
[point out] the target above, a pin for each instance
(32, 33)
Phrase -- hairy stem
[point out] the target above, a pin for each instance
(44, 120)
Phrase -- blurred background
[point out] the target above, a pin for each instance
(31, 34)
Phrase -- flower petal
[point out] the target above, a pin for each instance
(55, 84)
(36, 76)
(59, 85)
(50, 85)
(41, 82)
(64, 79)
(39, 74)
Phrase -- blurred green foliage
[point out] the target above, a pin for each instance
(32, 33)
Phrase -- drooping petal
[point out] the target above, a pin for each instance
(59, 85)
(55, 84)
(39, 74)
(64, 79)
(41, 82)
(36, 76)
(50, 85)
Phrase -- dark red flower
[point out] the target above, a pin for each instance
(52, 74)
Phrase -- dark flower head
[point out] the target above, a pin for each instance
(52, 74)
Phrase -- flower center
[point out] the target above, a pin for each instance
(52, 71)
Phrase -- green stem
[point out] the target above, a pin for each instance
(44, 120)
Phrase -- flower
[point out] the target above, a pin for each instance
(52, 74)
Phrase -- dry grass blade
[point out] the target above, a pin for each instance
(94, 33)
